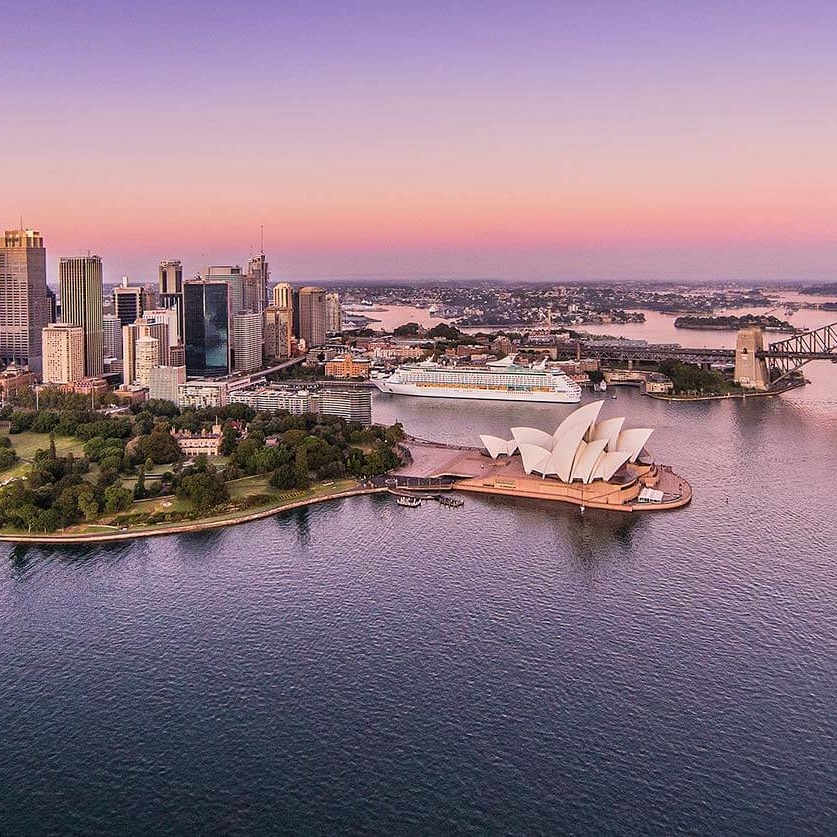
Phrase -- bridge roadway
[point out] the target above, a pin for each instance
(573, 348)
(791, 353)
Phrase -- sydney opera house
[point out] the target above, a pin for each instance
(580, 449)
(585, 461)
(588, 462)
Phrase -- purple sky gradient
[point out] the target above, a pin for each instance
(526, 141)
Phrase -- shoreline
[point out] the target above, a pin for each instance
(182, 528)
(466, 485)
(741, 395)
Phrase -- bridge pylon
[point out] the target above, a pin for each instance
(750, 367)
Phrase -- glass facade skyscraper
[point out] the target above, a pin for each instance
(24, 297)
(80, 279)
(206, 310)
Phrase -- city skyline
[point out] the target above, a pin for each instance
(548, 142)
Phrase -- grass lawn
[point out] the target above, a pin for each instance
(159, 504)
(259, 484)
(26, 444)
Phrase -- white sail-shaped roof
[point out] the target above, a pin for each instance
(586, 458)
(536, 458)
(497, 446)
(633, 441)
(579, 449)
(532, 436)
(609, 430)
(582, 417)
(563, 453)
(609, 464)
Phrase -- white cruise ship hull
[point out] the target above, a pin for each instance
(552, 397)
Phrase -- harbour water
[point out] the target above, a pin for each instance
(504, 667)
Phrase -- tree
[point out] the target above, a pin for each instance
(8, 455)
(139, 488)
(445, 332)
(159, 446)
(204, 490)
(229, 438)
(88, 505)
(394, 434)
(117, 498)
(303, 480)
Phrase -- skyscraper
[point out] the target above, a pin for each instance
(167, 316)
(127, 302)
(247, 342)
(312, 316)
(147, 358)
(63, 347)
(277, 332)
(283, 295)
(334, 313)
(171, 277)
(255, 284)
(131, 335)
(111, 336)
(171, 291)
(234, 278)
(206, 310)
(80, 280)
(24, 300)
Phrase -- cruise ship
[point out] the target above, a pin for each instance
(501, 380)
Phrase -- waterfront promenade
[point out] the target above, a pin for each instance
(213, 522)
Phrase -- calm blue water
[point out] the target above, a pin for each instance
(507, 667)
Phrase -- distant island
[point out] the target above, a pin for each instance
(733, 323)
(827, 289)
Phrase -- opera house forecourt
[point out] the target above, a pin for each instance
(591, 463)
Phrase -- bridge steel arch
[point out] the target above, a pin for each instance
(792, 354)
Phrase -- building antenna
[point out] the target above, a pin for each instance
(262, 234)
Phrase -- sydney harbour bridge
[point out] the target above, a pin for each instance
(772, 364)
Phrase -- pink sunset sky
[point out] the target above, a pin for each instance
(444, 140)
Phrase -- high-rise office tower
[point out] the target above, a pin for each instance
(80, 280)
(312, 316)
(53, 305)
(247, 341)
(111, 336)
(177, 355)
(131, 335)
(234, 278)
(171, 291)
(147, 358)
(277, 332)
(149, 297)
(283, 295)
(63, 347)
(206, 314)
(171, 277)
(24, 300)
(167, 316)
(334, 313)
(127, 302)
(255, 284)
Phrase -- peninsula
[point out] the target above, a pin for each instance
(72, 477)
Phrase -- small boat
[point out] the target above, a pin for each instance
(408, 502)
(613, 397)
